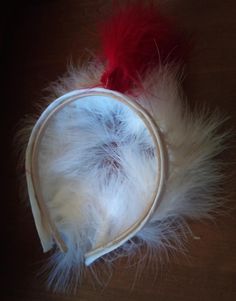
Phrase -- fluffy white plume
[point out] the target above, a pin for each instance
(95, 170)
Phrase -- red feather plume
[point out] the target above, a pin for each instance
(135, 40)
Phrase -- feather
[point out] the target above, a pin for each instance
(134, 40)
(90, 204)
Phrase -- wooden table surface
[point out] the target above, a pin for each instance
(38, 40)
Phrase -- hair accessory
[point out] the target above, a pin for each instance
(116, 159)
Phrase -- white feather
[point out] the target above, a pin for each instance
(92, 177)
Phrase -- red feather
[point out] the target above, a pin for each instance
(135, 40)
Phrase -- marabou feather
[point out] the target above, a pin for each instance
(87, 202)
(134, 40)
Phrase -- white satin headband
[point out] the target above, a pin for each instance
(46, 227)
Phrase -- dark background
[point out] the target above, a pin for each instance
(38, 40)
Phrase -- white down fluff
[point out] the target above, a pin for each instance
(106, 157)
